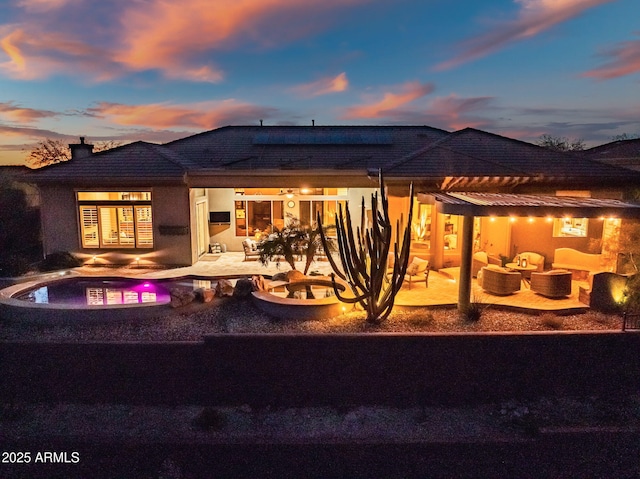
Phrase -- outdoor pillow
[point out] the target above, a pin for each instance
(414, 267)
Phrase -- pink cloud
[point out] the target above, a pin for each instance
(27, 115)
(42, 5)
(390, 101)
(624, 60)
(37, 55)
(206, 115)
(170, 35)
(455, 113)
(324, 86)
(178, 39)
(534, 17)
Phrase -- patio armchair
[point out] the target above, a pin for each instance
(553, 284)
(480, 260)
(250, 249)
(499, 281)
(533, 259)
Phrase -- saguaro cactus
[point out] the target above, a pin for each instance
(365, 256)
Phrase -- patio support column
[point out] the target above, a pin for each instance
(464, 288)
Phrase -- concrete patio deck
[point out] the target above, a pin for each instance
(442, 290)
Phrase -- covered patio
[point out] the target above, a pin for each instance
(474, 204)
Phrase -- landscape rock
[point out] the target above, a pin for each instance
(224, 288)
(244, 287)
(205, 295)
(259, 283)
(181, 297)
(279, 277)
(295, 275)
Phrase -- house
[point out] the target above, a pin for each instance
(166, 204)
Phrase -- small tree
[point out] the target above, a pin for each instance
(365, 256)
(560, 143)
(286, 242)
(49, 152)
(293, 240)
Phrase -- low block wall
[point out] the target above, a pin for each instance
(300, 370)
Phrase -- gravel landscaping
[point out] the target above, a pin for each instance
(231, 315)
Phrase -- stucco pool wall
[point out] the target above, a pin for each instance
(299, 308)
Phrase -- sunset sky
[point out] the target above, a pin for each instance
(157, 70)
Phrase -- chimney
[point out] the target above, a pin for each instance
(81, 150)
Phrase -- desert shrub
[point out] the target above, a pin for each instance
(551, 321)
(473, 313)
(59, 260)
(209, 419)
(12, 265)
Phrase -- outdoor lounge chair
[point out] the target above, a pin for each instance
(480, 260)
(553, 284)
(496, 280)
(250, 250)
(417, 270)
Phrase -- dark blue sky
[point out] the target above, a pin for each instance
(158, 70)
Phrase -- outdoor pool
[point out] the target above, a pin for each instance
(87, 297)
(97, 292)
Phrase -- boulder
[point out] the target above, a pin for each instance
(295, 275)
(259, 283)
(279, 277)
(244, 287)
(224, 288)
(205, 295)
(181, 297)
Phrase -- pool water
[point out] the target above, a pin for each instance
(106, 292)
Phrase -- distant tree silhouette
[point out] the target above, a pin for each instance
(560, 143)
(49, 152)
(625, 136)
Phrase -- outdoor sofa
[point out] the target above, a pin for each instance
(574, 260)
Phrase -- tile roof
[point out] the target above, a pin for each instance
(625, 153)
(138, 162)
(471, 157)
(304, 147)
(471, 152)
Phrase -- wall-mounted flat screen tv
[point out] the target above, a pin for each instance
(219, 216)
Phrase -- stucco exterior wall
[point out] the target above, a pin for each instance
(171, 207)
(221, 199)
(59, 219)
(61, 228)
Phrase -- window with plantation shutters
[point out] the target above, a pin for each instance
(116, 220)
(144, 227)
(89, 226)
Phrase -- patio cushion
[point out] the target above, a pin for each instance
(416, 266)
